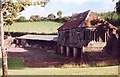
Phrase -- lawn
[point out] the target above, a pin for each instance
(112, 70)
(15, 63)
(16, 67)
(34, 27)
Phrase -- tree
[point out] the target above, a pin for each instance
(66, 18)
(117, 7)
(43, 18)
(10, 10)
(59, 14)
(13, 9)
(51, 16)
(35, 18)
(21, 19)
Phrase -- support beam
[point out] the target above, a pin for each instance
(68, 51)
(75, 52)
(105, 37)
(61, 49)
(94, 35)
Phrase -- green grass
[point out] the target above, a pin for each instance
(15, 63)
(113, 70)
(34, 27)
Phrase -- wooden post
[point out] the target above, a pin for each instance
(75, 52)
(68, 51)
(4, 54)
(94, 35)
(61, 49)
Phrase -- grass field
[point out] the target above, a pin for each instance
(15, 63)
(34, 27)
(19, 69)
(110, 70)
(113, 70)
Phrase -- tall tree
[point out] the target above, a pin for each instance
(21, 19)
(59, 14)
(35, 18)
(117, 6)
(8, 11)
(51, 16)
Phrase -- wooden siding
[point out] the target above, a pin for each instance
(82, 34)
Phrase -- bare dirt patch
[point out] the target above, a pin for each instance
(39, 58)
(35, 57)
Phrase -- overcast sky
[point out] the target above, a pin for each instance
(68, 7)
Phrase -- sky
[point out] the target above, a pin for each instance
(69, 7)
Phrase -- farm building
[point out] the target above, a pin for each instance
(85, 31)
(46, 42)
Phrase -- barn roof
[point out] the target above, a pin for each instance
(78, 20)
(39, 37)
(75, 21)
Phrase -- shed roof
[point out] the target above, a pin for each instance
(39, 37)
(78, 20)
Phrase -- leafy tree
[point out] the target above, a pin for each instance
(51, 16)
(112, 17)
(43, 18)
(21, 19)
(35, 18)
(59, 14)
(118, 7)
(66, 18)
(12, 9)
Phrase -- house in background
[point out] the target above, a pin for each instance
(85, 31)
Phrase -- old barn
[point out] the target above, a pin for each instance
(85, 31)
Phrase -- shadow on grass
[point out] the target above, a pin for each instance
(15, 63)
(100, 59)
(40, 58)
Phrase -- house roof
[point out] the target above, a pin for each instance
(78, 20)
(39, 37)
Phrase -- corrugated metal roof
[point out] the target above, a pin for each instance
(75, 21)
(78, 20)
(39, 37)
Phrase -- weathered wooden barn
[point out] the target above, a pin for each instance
(85, 31)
